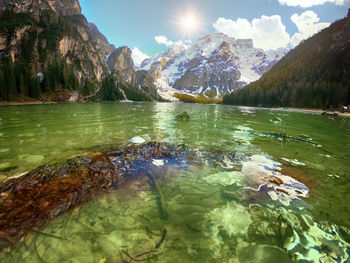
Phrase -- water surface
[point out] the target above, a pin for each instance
(264, 185)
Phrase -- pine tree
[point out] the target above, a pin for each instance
(3, 89)
(35, 89)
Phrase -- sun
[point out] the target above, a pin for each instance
(189, 23)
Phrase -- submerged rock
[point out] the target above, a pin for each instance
(30, 201)
(183, 116)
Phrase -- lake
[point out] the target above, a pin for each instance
(260, 185)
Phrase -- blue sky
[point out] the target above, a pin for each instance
(136, 23)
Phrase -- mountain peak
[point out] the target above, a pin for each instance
(214, 65)
(101, 40)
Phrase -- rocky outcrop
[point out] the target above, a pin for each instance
(121, 65)
(101, 41)
(36, 7)
(52, 38)
(144, 78)
(41, 32)
(120, 61)
(157, 67)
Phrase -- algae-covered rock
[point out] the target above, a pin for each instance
(183, 116)
(29, 201)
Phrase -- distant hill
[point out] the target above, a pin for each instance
(49, 52)
(315, 74)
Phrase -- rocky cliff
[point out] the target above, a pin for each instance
(101, 41)
(51, 39)
(134, 85)
(120, 61)
(49, 52)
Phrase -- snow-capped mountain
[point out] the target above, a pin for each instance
(215, 65)
(168, 55)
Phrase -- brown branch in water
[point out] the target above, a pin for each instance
(50, 235)
(144, 253)
(159, 196)
(162, 239)
(148, 253)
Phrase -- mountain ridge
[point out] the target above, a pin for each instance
(214, 65)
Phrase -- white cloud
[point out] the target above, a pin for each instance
(307, 24)
(163, 40)
(138, 56)
(308, 3)
(267, 32)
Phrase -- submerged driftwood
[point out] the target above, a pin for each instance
(29, 202)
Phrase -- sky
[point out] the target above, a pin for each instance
(148, 27)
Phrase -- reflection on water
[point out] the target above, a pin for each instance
(262, 186)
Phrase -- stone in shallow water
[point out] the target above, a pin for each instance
(158, 162)
(137, 140)
(223, 178)
(183, 116)
(263, 173)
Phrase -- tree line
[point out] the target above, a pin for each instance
(316, 74)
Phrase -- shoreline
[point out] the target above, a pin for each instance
(16, 103)
(306, 110)
(319, 111)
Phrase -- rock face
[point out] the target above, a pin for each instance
(120, 61)
(215, 65)
(144, 78)
(40, 33)
(36, 7)
(52, 38)
(157, 68)
(101, 40)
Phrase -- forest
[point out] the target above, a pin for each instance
(316, 74)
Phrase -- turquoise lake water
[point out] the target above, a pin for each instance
(266, 185)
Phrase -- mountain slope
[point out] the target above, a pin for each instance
(51, 40)
(102, 42)
(315, 74)
(215, 65)
(49, 52)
